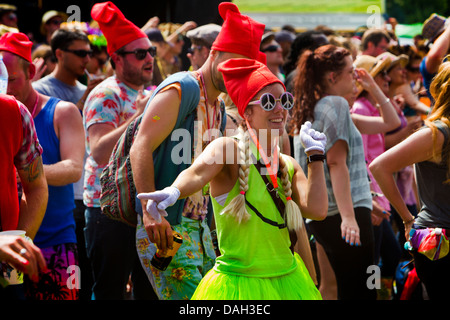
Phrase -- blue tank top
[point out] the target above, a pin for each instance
(58, 226)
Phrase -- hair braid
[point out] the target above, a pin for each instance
(237, 206)
(292, 211)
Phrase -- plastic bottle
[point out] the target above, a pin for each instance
(3, 76)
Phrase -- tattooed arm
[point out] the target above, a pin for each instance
(35, 197)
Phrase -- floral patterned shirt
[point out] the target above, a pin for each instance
(30, 149)
(111, 102)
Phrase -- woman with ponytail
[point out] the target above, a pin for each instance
(428, 149)
(259, 195)
(324, 78)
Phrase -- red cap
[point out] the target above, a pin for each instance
(239, 34)
(244, 78)
(17, 43)
(117, 30)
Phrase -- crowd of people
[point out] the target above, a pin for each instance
(310, 157)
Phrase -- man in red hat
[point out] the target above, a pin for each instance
(60, 131)
(108, 110)
(181, 100)
(20, 148)
(20, 152)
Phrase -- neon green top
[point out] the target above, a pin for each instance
(254, 248)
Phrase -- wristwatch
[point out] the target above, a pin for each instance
(316, 157)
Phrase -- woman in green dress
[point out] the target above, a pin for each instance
(259, 195)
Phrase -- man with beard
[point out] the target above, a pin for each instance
(185, 102)
(109, 108)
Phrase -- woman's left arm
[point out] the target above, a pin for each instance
(310, 193)
(416, 148)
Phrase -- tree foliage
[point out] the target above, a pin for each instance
(416, 11)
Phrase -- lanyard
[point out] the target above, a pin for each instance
(35, 105)
(272, 174)
(206, 106)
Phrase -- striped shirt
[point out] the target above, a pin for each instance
(332, 117)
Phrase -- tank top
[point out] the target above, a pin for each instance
(433, 192)
(254, 248)
(58, 225)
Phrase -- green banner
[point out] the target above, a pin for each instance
(408, 30)
(309, 6)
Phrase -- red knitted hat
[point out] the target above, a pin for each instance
(239, 34)
(17, 43)
(244, 78)
(117, 29)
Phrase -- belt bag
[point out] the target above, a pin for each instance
(431, 242)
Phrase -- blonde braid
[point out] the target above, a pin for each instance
(292, 211)
(237, 206)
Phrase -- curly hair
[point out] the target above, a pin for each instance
(309, 84)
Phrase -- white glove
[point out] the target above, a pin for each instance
(312, 139)
(158, 201)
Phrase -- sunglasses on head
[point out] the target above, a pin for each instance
(268, 101)
(140, 54)
(271, 48)
(80, 53)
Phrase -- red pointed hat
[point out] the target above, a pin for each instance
(244, 78)
(17, 43)
(117, 29)
(239, 34)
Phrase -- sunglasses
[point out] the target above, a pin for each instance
(192, 49)
(413, 69)
(268, 101)
(54, 22)
(80, 53)
(140, 54)
(384, 74)
(272, 48)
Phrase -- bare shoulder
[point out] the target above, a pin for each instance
(67, 113)
(67, 108)
(292, 160)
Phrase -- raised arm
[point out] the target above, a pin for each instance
(310, 193)
(438, 51)
(388, 120)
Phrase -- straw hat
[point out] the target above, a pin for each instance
(401, 59)
(433, 27)
(373, 65)
(51, 14)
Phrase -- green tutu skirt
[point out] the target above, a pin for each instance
(296, 285)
